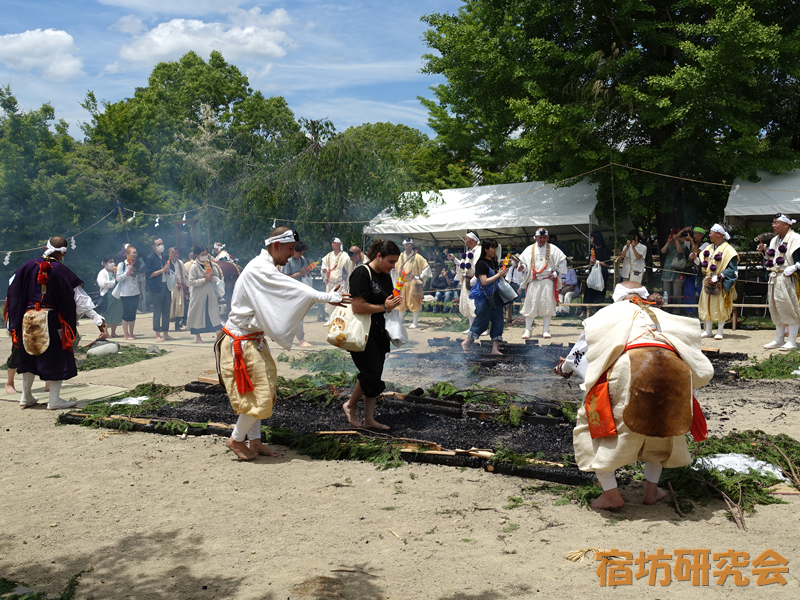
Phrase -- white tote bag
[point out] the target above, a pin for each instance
(595, 279)
(395, 328)
(117, 290)
(349, 330)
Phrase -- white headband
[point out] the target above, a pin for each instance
(407, 241)
(218, 246)
(541, 231)
(473, 236)
(336, 241)
(621, 291)
(785, 219)
(282, 238)
(51, 249)
(721, 230)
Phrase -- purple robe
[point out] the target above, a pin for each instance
(24, 292)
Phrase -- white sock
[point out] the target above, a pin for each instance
(720, 327)
(528, 322)
(243, 424)
(255, 431)
(793, 329)
(27, 385)
(416, 318)
(55, 390)
(779, 335)
(545, 324)
(652, 471)
(709, 325)
(606, 479)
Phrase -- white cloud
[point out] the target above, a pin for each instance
(255, 74)
(49, 51)
(347, 112)
(129, 24)
(260, 37)
(175, 7)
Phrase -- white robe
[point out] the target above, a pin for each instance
(466, 306)
(264, 299)
(540, 300)
(202, 296)
(334, 277)
(784, 308)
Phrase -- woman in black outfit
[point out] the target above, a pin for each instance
(603, 256)
(371, 290)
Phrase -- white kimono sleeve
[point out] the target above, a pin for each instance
(575, 362)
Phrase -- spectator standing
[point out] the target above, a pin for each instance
(488, 304)
(632, 258)
(180, 293)
(106, 281)
(297, 268)
(440, 285)
(156, 268)
(676, 252)
(203, 314)
(693, 282)
(598, 253)
(514, 278)
(128, 276)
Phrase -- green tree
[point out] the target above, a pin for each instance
(550, 90)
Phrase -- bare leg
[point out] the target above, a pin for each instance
(350, 407)
(166, 336)
(466, 343)
(260, 447)
(496, 347)
(240, 449)
(10, 389)
(369, 415)
(198, 339)
(304, 344)
(608, 499)
(653, 493)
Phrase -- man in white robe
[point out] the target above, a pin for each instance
(465, 271)
(782, 263)
(267, 304)
(334, 265)
(543, 264)
(652, 363)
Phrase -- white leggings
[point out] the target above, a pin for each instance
(246, 426)
(652, 473)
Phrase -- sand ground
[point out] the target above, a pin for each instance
(149, 516)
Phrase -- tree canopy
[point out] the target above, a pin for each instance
(547, 90)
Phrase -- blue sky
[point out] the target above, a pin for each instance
(352, 62)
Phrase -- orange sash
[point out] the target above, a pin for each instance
(243, 382)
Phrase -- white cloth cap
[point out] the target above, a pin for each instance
(51, 249)
(283, 238)
(721, 230)
(473, 236)
(622, 291)
(407, 241)
(218, 246)
(785, 219)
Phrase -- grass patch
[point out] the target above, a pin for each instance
(156, 394)
(7, 586)
(451, 322)
(777, 366)
(510, 528)
(331, 360)
(127, 355)
(322, 388)
(503, 454)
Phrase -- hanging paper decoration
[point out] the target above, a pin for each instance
(133, 217)
(157, 218)
(184, 218)
(7, 259)
(72, 242)
(273, 223)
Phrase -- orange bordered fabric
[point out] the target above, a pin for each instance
(598, 410)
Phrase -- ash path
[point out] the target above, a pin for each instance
(450, 433)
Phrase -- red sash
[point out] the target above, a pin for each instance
(240, 374)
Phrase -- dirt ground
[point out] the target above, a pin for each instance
(150, 516)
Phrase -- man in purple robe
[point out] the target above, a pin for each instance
(45, 300)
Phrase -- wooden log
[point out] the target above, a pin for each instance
(207, 379)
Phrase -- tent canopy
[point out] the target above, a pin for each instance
(511, 213)
(755, 204)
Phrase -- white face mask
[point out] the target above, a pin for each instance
(110, 267)
(203, 259)
(160, 248)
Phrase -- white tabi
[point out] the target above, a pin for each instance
(466, 306)
(265, 304)
(336, 264)
(784, 308)
(540, 299)
(606, 335)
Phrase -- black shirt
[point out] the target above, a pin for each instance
(152, 263)
(482, 268)
(373, 292)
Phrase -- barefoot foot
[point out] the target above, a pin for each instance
(608, 500)
(653, 493)
(240, 449)
(373, 424)
(168, 338)
(260, 447)
(352, 418)
(466, 344)
(305, 344)
(10, 389)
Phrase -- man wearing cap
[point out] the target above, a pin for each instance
(45, 301)
(333, 266)
(220, 253)
(632, 257)
(719, 264)
(543, 264)
(465, 271)
(266, 305)
(417, 271)
(782, 263)
(639, 367)
(692, 285)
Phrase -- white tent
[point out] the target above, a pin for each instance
(755, 204)
(511, 213)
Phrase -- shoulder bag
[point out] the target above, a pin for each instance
(348, 330)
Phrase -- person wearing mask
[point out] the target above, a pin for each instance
(297, 268)
(371, 290)
(128, 276)
(180, 293)
(488, 304)
(203, 314)
(110, 308)
(156, 268)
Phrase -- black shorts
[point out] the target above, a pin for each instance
(370, 366)
(129, 306)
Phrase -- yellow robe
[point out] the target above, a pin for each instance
(717, 307)
(414, 265)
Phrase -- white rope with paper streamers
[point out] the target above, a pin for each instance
(72, 243)
(132, 218)
(7, 259)
(157, 219)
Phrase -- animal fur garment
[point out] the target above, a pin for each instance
(35, 334)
